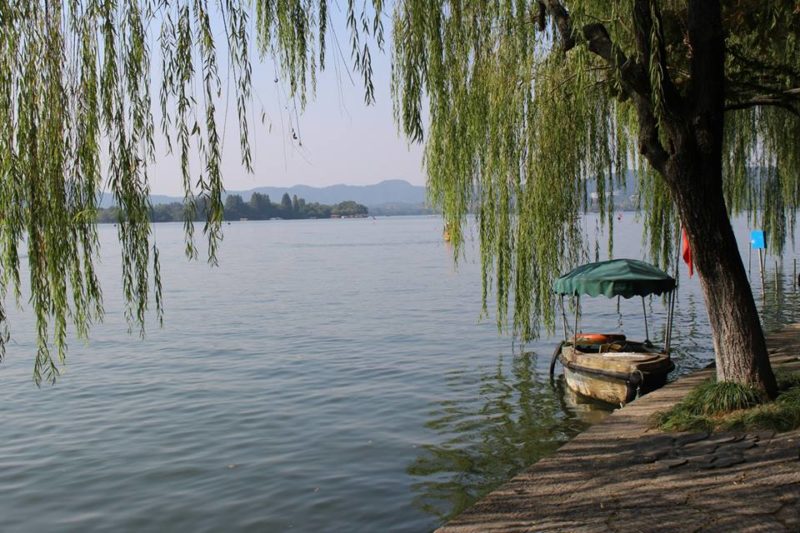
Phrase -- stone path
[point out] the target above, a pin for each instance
(619, 475)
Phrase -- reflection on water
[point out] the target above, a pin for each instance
(328, 376)
(519, 419)
(522, 416)
(691, 345)
(778, 301)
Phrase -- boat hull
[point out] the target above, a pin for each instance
(614, 377)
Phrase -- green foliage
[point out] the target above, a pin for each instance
(78, 118)
(258, 208)
(286, 30)
(517, 127)
(286, 203)
(713, 398)
(523, 123)
(730, 406)
(349, 208)
(780, 416)
(787, 380)
(261, 209)
(520, 131)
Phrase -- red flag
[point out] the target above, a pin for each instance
(686, 252)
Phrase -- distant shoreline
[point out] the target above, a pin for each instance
(366, 217)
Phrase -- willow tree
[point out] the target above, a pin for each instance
(530, 102)
(78, 118)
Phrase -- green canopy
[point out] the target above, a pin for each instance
(618, 277)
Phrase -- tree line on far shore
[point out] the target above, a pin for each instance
(259, 207)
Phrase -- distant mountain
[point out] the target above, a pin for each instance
(385, 192)
(107, 199)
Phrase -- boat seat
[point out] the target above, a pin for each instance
(601, 348)
(637, 357)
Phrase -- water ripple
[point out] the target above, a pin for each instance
(326, 377)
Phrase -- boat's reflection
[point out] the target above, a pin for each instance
(501, 418)
(502, 422)
(587, 409)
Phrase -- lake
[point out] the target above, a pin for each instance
(329, 375)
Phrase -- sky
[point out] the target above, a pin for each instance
(339, 138)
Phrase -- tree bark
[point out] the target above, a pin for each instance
(690, 160)
(739, 346)
(694, 172)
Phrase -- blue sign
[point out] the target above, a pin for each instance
(757, 239)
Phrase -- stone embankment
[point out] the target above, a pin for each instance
(621, 475)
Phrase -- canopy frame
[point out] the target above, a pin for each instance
(616, 277)
(622, 277)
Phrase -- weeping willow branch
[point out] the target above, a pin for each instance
(760, 101)
(522, 124)
(77, 121)
(526, 108)
(634, 81)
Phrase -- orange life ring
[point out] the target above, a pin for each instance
(598, 338)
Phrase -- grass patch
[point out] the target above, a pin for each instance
(730, 406)
(787, 380)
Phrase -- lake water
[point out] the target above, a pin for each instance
(330, 375)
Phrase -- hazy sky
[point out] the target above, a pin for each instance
(339, 138)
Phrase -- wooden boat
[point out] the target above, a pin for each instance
(615, 373)
(609, 367)
(587, 409)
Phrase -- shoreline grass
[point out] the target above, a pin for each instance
(724, 406)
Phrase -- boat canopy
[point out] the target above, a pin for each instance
(618, 277)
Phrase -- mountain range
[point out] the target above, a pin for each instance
(387, 192)
(387, 197)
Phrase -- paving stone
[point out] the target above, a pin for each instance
(753, 524)
(761, 436)
(704, 461)
(789, 517)
(673, 463)
(697, 449)
(689, 438)
(621, 475)
(737, 446)
(726, 438)
(652, 457)
(724, 461)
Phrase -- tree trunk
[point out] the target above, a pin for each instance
(739, 345)
(683, 141)
(694, 173)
